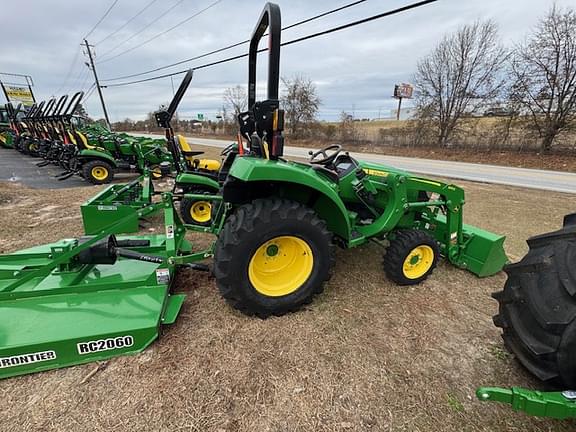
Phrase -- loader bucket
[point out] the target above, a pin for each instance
(483, 252)
(478, 251)
(53, 316)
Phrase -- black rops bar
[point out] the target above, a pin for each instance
(271, 20)
(73, 104)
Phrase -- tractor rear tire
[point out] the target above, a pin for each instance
(198, 212)
(537, 308)
(272, 257)
(98, 172)
(411, 257)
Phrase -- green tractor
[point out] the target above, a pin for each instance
(6, 137)
(537, 315)
(276, 223)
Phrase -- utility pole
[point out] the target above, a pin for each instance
(97, 83)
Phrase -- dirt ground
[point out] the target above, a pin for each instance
(364, 356)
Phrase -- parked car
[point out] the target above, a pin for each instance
(498, 112)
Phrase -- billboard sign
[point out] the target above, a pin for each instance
(403, 91)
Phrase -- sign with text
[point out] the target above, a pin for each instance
(17, 94)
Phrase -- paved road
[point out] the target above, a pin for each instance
(530, 178)
(18, 168)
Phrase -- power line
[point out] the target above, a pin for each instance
(89, 92)
(162, 33)
(101, 19)
(69, 73)
(294, 41)
(140, 12)
(145, 27)
(226, 48)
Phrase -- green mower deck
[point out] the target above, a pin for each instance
(67, 303)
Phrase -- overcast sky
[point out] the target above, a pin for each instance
(354, 70)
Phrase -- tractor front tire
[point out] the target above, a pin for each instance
(411, 257)
(272, 257)
(537, 308)
(196, 211)
(98, 172)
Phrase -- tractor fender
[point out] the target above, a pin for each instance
(252, 178)
(86, 155)
(185, 180)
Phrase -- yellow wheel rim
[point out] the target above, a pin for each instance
(280, 266)
(201, 211)
(100, 173)
(156, 173)
(418, 262)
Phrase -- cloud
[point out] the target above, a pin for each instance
(354, 69)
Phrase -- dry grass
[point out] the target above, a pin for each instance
(366, 355)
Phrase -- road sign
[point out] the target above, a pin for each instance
(201, 117)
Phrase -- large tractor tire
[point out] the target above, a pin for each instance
(411, 257)
(537, 308)
(272, 257)
(198, 211)
(98, 172)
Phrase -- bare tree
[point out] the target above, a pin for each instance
(236, 99)
(543, 71)
(300, 102)
(460, 76)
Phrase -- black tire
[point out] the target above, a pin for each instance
(188, 205)
(401, 246)
(249, 229)
(537, 308)
(89, 172)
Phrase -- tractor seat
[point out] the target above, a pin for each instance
(185, 148)
(191, 153)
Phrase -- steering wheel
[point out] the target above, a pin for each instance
(228, 149)
(328, 158)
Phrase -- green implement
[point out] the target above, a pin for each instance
(116, 202)
(93, 298)
(557, 405)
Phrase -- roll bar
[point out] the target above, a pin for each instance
(59, 106)
(163, 117)
(49, 109)
(73, 104)
(270, 20)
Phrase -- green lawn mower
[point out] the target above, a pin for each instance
(6, 132)
(107, 294)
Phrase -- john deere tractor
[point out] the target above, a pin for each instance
(276, 223)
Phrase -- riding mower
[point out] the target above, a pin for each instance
(6, 133)
(31, 128)
(537, 315)
(127, 150)
(11, 124)
(97, 161)
(104, 295)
